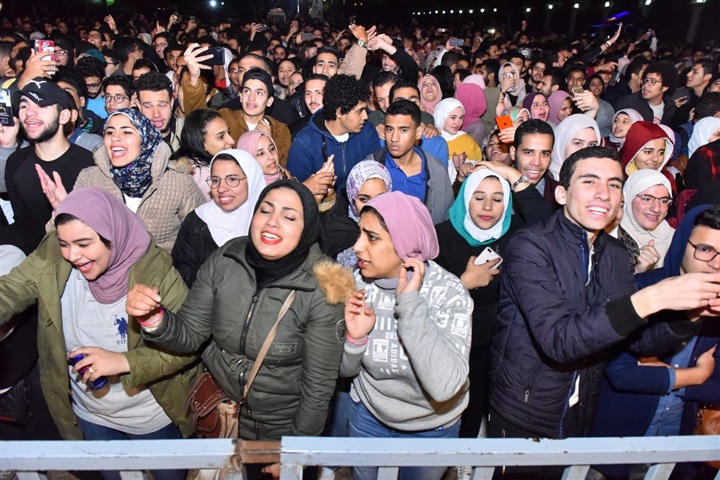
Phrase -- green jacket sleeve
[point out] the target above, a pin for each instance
(18, 289)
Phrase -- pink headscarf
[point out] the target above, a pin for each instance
(248, 141)
(475, 79)
(473, 99)
(430, 106)
(112, 220)
(409, 223)
(555, 101)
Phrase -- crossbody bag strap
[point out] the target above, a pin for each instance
(266, 345)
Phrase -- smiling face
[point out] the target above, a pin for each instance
(375, 251)
(583, 138)
(41, 123)
(122, 140)
(216, 137)
(651, 155)
(650, 214)
(226, 197)
(565, 109)
(540, 109)
(533, 155)
(594, 194)
(285, 69)
(157, 106)
(327, 64)
(277, 224)
(266, 156)
(81, 246)
(496, 151)
(487, 205)
(621, 124)
(454, 120)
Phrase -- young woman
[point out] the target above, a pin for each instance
(561, 107)
(338, 226)
(643, 229)
(261, 146)
(497, 151)
(473, 100)
(537, 105)
(80, 275)
(647, 146)
(621, 123)
(449, 116)
(234, 302)
(204, 135)
(408, 332)
(512, 87)
(430, 94)
(482, 218)
(235, 183)
(574, 133)
(706, 130)
(134, 167)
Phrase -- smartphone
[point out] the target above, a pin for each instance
(46, 46)
(577, 89)
(305, 36)
(503, 122)
(6, 111)
(262, 28)
(218, 56)
(457, 42)
(488, 255)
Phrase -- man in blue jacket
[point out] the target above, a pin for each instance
(340, 129)
(567, 297)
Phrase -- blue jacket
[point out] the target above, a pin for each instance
(306, 151)
(556, 324)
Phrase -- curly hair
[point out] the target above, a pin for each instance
(343, 92)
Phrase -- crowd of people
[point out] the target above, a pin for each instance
(358, 231)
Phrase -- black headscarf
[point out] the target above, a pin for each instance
(267, 271)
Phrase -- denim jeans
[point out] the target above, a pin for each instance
(363, 424)
(92, 431)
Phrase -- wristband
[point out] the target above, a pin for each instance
(152, 321)
(355, 342)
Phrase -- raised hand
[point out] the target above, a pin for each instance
(648, 257)
(417, 267)
(359, 318)
(53, 188)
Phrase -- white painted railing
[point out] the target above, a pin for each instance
(29, 458)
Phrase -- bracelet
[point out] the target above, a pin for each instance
(355, 342)
(152, 321)
(608, 44)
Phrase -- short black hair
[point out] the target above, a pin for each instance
(383, 78)
(557, 77)
(90, 67)
(192, 137)
(532, 127)
(122, 81)
(709, 67)
(492, 66)
(709, 218)
(405, 107)
(67, 76)
(343, 92)
(154, 82)
(636, 66)
(330, 50)
(403, 84)
(124, 46)
(576, 68)
(668, 75)
(568, 167)
(708, 105)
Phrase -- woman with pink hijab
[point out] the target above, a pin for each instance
(430, 93)
(263, 149)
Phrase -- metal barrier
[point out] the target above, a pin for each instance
(29, 458)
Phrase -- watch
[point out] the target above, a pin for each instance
(362, 43)
(522, 179)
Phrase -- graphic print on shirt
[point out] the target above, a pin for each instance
(121, 324)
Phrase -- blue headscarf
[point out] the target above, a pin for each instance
(136, 177)
(676, 252)
(460, 218)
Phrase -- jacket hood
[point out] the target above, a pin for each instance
(639, 134)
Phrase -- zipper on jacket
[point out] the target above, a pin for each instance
(345, 172)
(246, 325)
(567, 404)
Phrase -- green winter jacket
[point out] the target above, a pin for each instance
(292, 391)
(42, 278)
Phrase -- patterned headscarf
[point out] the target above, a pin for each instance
(136, 177)
(361, 173)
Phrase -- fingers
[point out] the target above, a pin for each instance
(142, 300)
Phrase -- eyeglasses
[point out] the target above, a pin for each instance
(61, 53)
(118, 98)
(704, 253)
(648, 199)
(233, 70)
(231, 181)
(651, 81)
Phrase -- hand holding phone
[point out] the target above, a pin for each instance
(488, 255)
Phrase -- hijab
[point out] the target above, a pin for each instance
(638, 136)
(702, 132)
(519, 91)
(460, 213)
(136, 177)
(113, 221)
(249, 141)
(676, 252)
(267, 271)
(430, 106)
(361, 173)
(634, 117)
(442, 112)
(515, 112)
(564, 133)
(473, 101)
(409, 224)
(637, 183)
(228, 225)
(555, 102)
(475, 79)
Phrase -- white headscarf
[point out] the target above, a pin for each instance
(701, 133)
(224, 225)
(634, 117)
(442, 112)
(564, 133)
(637, 183)
(520, 89)
(471, 184)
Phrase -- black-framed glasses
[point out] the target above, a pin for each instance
(648, 199)
(231, 181)
(117, 98)
(704, 253)
(651, 81)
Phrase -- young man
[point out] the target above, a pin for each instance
(537, 72)
(654, 101)
(552, 80)
(414, 171)
(43, 109)
(92, 71)
(327, 62)
(314, 88)
(568, 298)
(632, 81)
(128, 51)
(532, 151)
(155, 96)
(575, 78)
(119, 93)
(339, 129)
(88, 126)
(697, 80)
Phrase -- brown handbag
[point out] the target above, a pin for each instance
(708, 423)
(214, 413)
